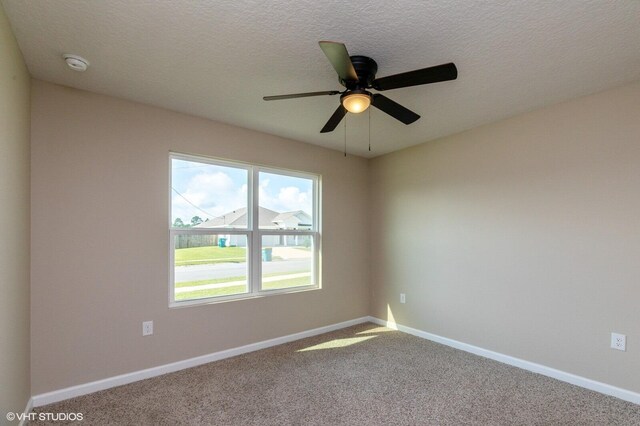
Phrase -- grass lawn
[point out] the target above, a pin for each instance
(200, 294)
(206, 255)
(237, 289)
(230, 279)
(286, 283)
(211, 281)
(202, 255)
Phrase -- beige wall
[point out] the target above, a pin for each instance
(14, 217)
(521, 237)
(100, 239)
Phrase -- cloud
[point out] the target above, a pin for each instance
(208, 195)
(212, 193)
(217, 182)
(289, 198)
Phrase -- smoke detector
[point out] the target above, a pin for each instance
(75, 62)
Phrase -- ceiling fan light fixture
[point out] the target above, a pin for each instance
(358, 73)
(356, 101)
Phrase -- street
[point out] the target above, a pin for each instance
(223, 270)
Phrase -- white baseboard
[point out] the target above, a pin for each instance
(583, 382)
(27, 410)
(123, 379)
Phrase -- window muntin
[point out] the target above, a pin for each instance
(254, 230)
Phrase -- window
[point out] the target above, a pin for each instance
(240, 230)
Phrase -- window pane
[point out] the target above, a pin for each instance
(286, 202)
(207, 195)
(209, 266)
(286, 261)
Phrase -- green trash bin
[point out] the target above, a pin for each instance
(222, 242)
(267, 254)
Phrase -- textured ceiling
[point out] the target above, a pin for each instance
(216, 59)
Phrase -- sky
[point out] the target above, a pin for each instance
(208, 191)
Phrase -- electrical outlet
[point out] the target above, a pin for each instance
(618, 341)
(403, 298)
(147, 328)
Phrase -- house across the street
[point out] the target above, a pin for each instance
(267, 219)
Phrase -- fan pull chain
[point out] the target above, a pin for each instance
(369, 129)
(345, 135)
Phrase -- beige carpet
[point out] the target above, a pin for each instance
(362, 375)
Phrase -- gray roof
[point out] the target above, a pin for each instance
(302, 216)
(267, 218)
(238, 219)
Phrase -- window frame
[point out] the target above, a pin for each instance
(252, 232)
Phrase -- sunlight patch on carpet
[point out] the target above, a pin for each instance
(337, 343)
(375, 330)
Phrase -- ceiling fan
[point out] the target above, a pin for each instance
(358, 73)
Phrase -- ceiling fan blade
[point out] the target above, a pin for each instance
(435, 74)
(335, 119)
(339, 58)
(394, 109)
(300, 95)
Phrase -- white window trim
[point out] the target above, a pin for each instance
(253, 232)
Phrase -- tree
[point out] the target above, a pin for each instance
(178, 223)
(196, 220)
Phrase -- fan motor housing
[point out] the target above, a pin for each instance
(366, 68)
